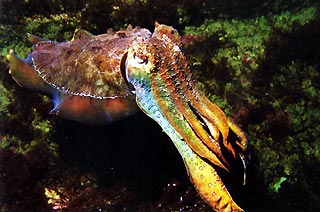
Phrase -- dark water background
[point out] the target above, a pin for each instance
(258, 60)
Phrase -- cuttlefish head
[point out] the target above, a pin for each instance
(153, 56)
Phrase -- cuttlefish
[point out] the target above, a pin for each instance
(98, 79)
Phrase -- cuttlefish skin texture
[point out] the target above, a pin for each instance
(101, 79)
(82, 77)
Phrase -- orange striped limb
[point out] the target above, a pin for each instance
(175, 116)
(204, 177)
(209, 185)
(197, 128)
(213, 115)
(243, 142)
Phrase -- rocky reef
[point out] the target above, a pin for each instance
(258, 60)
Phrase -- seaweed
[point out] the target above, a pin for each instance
(258, 60)
(265, 74)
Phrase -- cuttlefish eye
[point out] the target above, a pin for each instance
(133, 68)
(142, 60)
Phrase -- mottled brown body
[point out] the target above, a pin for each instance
(87, 66)
(83, 76)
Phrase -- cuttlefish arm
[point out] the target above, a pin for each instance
(165, 92)
(203, 175)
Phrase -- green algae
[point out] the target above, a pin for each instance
(272, 89)
(58, 27)
(5, 100)
(242, 41)
(259, 67)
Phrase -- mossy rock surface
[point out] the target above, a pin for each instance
(258, 60)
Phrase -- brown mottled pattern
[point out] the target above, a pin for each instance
(89, 66)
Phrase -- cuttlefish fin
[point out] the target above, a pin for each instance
(80, 34)
(25, 75)
(93, 111)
